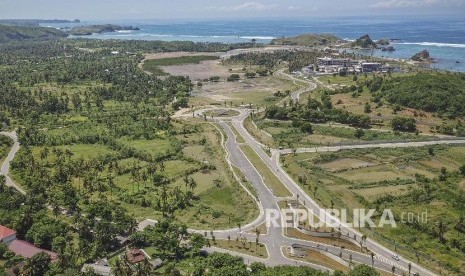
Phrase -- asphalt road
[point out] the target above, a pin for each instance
(275, 239)
(6, 163)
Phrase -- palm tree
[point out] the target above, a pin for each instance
(441, 229)
(111, 183)
(192, 184)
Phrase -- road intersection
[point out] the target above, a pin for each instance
(275, 238)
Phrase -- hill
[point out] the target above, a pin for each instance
(307, 40)
(15, 33)
(364, 42)
(98, 29)
(34, 22)
(441, 93)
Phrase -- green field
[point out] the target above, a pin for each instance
(286, 135)
(244, 247)
(412, 180)
(197, 156)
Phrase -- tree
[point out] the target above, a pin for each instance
(441, 229)
(234, 77)
(367, 108)
(462, 170)
(364, 270)
(359, 133)
(306, 127)
(38, 265)
(404, 124)
(250, 75)
(197, 241)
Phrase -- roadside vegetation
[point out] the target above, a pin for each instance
(269, 178)
(427, 181)
(5, 146)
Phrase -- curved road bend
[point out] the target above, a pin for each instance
(6, 163)
(274, 165)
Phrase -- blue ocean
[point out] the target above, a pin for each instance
(443, 37)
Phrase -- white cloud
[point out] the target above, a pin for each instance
(246, 6)
(393, 4)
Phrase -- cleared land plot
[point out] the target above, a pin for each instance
(172, 63)
(345, 164)
(153, 147)
(257, 91)
(372, 194)
(395, 184)
(373, 174)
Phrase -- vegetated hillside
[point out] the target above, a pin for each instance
(35, 22)
(443, 93)
(307, 40)
(12, 33)
(97, 29)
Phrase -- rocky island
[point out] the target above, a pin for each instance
(423, 57)
(364, 42)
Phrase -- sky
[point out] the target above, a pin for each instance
(217, 9)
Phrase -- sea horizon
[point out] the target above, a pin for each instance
(443, 37)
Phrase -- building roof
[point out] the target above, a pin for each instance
(146, 223)
(135, 256)
(6, 232)
(97, 269)
(28, 250)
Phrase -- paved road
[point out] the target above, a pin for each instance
(274, 165)
(307, 85)
(275, 239)
(6, 163)
(395, 144)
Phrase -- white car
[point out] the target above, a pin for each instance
(395, 257)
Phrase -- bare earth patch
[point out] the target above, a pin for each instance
(345, 163)
(201, 71)
(462, 185)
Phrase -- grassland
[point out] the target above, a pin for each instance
(244, 247)
(268, 176)
(319, 259)
(407, 181)
(220, 202)
(286, 135)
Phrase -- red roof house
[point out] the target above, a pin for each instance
(28, 250)
(7, 235)
(135, 256)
